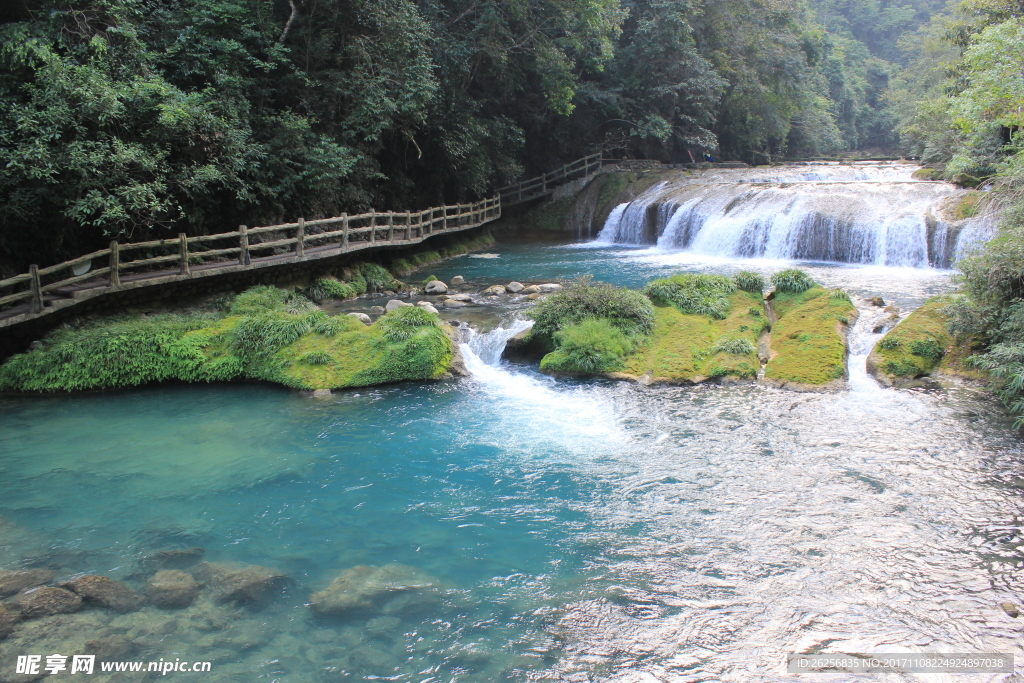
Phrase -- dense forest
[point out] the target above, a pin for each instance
(134, 119)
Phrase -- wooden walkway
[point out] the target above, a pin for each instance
(43, 291)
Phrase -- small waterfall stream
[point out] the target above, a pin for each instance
(859, 213)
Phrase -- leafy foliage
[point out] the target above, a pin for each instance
(403, 323)
(792, 280)
(694, 293)
(749, 282)
(735, 346)
(629, 311)
(592, 346)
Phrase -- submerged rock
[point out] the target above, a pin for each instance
(172, 589)
(15, 581)
(365, 587)
(515, 287)
(44, 602)
(458, 280)
(495, 290)
(451, 303)
(8, 620)
(395, 304)
(241, 583)
(362, 317)
(1010, 609)
(106, 592)
(179, 558)
(465, 298)
(436, 287)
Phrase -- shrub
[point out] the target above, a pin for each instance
(749, 282)
(792, 280)
(927, 348)
(901, 368)
(693, 294)
(592, 346)
(756, 312)
(629, 311)
(739, 347)
(317, 358)
(889, 343)
(328, 288)
(376, 276)
(401, 324)
(839, 295)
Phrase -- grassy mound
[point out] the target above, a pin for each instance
(593, 346)
(918, 346)
(692, 347)
(809, 338)
(706, 295)
(265, 333)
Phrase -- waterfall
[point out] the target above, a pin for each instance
(865, 214)
(486, 349)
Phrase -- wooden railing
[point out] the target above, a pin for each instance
(144, 262)
(546, 184)
(138, 264)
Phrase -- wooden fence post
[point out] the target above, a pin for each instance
(36, 303)
(243, 242)
(344, 234)
(373, 226)
(444, 218)
(300, 235)
(115, 264)
(183, 262)
(391, 226)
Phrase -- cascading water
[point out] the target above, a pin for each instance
(863, 214)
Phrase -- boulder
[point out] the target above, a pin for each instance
(8, 619)
(179, 558)
(112, 649)
(534, 296)
(877, 301)
(172, 589)
(106, 592)
(436, 287)
(532, 289)
(377, 310)
(515, 287)
(458, 280)
(45, 602)
(241, 583)
(1010, 609)
(14, 581)
(365, 587)
(395, 304)
(465, 298)
(549, 288)
(451, 303)
(495, 290)
(362, 317)
(427, 307)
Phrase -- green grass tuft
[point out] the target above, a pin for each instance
(749, 282)
(792, 280)
(631, 312)
(693, 294)
(592, 346)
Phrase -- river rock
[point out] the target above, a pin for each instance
(178, 558)
(172, 589)
(8, 620)
(877, 301)
(465, 298)
(362, 317)
(532, 289)
(458, 280)
(1010, 609)
(395, 304)
(44, 602)
(427, 307)
(515, 287)
(241, 583)
(451, 303)
(14, 581)
(495, 290)
(534, 296)
(436, 287)
(365, 587)
(377, 310)
(549, 288)
(106, 592)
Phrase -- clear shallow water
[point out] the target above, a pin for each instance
(581, 529)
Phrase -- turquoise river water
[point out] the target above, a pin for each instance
(582, 530)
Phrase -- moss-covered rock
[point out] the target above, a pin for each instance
(692, 348)
(264, 333)
(808, 343)
(921, 346)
